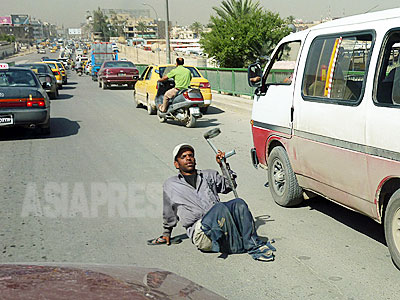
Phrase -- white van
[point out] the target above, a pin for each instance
(325, 114)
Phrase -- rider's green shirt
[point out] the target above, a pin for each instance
(182, 77)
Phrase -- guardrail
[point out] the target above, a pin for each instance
(228, 80)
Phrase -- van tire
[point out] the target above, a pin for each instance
(282, 181)
(392, 227)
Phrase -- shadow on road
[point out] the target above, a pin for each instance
(63, 96)
(119, 88)
(60, 127)
(201, 123)
(68, 87)
(72, 83)
(212, 110)
(354, 220)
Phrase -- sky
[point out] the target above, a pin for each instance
(184, 12)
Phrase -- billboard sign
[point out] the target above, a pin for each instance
(72, 31)
(20, 19)
(5, 20)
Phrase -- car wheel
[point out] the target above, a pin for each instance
(191, 122)
(392, 227)
(135, 100)
(203, 110)
(103, 85)
(150, 109)
(282, 181)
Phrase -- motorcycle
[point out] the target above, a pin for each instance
(184, 107)
(79, 71)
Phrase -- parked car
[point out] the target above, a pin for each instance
(56, 71)
(45, 74)
(23, 100)
(146, 87)
(325, 117)
(117, 72)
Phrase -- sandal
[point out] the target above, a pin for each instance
(162, 241)
(157, 241)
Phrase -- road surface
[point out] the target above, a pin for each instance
(91, 192)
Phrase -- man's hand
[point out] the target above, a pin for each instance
(220, 156)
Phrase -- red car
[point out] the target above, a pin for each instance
(117, 72)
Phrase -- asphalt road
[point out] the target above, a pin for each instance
(91, 192)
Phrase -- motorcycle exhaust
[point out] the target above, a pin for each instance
(224, 168)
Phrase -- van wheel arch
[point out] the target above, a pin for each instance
(386, 192)
(272, 145)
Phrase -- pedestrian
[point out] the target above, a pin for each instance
(213, 226)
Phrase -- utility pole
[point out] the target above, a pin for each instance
(167, 35)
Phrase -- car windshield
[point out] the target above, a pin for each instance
(60, 66)
(119, 64)
(38, 68)
(52, 65)
(193, 70)
(17, 78)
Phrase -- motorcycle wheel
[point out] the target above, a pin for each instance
(191, 122)
(161, 119)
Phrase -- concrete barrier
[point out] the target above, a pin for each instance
(6, 49)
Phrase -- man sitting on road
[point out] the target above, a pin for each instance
(192, 197)
(182, 77)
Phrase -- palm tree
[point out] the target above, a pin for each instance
(197, 28)
(142, 27)
(236, 9)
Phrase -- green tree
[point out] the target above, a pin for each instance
(101, 24)
(141, 27)
(197, 28)
(241, 32)
(117, 24)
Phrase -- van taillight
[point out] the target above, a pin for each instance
(204, 85)
(35, 103)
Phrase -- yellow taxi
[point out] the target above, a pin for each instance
(56, 71)
(63, 72)
(146, 87)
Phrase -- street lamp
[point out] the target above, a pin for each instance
(156, 15)
(158, 45)
(167, 34)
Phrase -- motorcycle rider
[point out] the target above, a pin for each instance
(182, 77)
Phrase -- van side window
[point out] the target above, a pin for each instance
(283, 64)
(388, 81)
(336, 68)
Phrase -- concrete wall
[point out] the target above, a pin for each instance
(6, 49)
(140, 56)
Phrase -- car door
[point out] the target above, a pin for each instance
(329, 116)
(274, 105)
(140, 87)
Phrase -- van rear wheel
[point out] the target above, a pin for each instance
(282, 181)
(392, 227)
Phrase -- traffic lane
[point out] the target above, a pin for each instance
(118, 143)
(331, 268)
